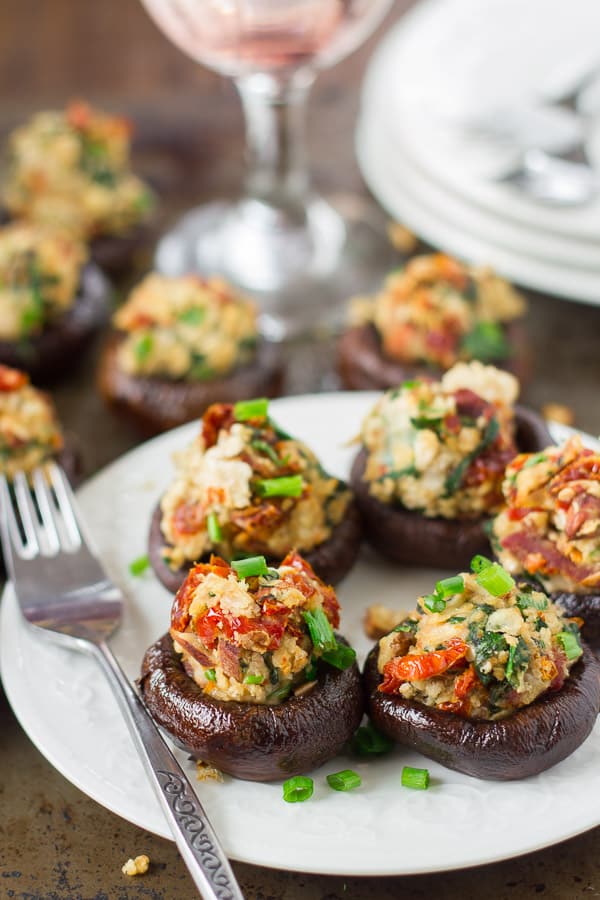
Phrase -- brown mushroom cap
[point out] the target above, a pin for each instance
(586, 606)
(157, 404)
(529, 741)
(251, 740)
(407, 536)
(116, 253)
(362, 364)
(331, 560)
(61, 344)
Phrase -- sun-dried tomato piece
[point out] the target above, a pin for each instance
(11, 379)
(419, 666)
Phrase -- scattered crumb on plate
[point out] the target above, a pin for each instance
(137, 866)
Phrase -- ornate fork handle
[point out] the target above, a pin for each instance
(195, 838)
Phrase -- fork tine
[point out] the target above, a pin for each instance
(66, 504)
(27, 512)
(46, 509)
(11, 536)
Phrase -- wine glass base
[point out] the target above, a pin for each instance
(300, 271)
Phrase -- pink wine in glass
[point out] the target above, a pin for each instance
(237, 37)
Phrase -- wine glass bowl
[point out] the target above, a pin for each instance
(281, 241)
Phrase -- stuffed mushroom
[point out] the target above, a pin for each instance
(30, 434)
(549, 530)
(243, 488)
(251, 677)
(51, 302)
(429, 315)
(181, 344)
(71, 168)
(486, 676)
(430, 473)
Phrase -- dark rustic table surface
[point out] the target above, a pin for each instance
(56, 843)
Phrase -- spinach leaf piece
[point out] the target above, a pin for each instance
(487, 644)
(454, 479)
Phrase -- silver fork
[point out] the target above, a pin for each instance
(64, 591)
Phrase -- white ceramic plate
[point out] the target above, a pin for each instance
(66, 708)
(451, 62)
(446, 222)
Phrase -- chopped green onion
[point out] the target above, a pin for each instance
(254, 565)
(434, 603)
(570, 644)
(447, 587)
(310, 672)
(369, 742)
(432, 421)
(454, 620)
(508, 672)
(214, 529)
(415, 778)
(254, 679)
(139, 565)
(410, 625)
(143, 348)
(487, 342)
(455, 478)
(210, 674)
(495, 580)
(199, 370)
(320, 630)
(251, 409)
(479, 563)
(265, 448)
(297, 789)
(195, 315)
(409, 385)
(528, 601)
(286, 486)
(280, 693)
(342, 657)
(345, 780)
(534, 460)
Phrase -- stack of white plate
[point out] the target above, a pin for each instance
(454, 94)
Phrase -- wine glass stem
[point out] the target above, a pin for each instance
(275, 114)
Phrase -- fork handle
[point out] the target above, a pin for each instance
(197, 842)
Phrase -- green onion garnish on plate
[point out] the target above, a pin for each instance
(210, 674)
(254, 679)
(418, 779)
(346, 780)
(367, 741)
(298, 789)
(138, 566)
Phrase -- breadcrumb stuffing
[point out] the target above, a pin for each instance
(206, 772)
(137, 866)
(379, 620)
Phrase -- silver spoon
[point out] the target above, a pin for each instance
(553, 180)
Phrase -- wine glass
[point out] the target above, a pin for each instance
(281, 241)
